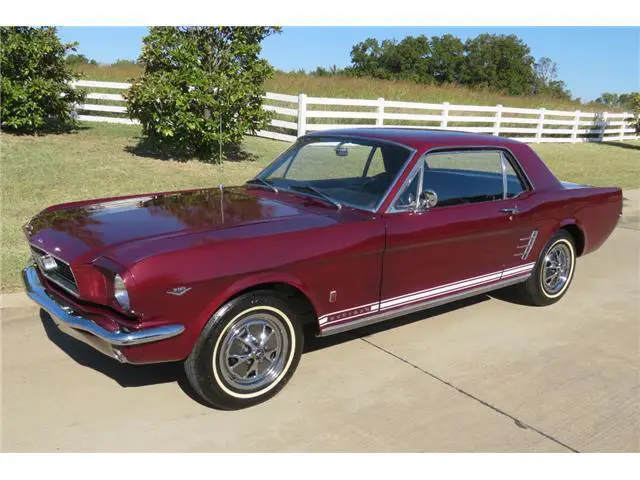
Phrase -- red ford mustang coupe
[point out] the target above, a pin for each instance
(344, 229)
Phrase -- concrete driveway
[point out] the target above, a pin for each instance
(481, 375)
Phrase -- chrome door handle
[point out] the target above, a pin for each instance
(510, 211)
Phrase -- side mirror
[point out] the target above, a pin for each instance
(428, 199)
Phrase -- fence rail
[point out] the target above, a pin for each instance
(295, 115)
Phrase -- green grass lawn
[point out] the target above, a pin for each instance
(38, 171)
(600, 164)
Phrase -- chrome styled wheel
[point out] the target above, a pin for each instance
(254, 351)
(557, 267)
(247, 351)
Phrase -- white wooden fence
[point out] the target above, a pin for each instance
(296, 115)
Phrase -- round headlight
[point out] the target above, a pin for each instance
(120, 292)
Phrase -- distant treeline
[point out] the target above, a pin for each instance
(499, 62)
(627, 101)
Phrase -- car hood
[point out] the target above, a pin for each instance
(91, 229)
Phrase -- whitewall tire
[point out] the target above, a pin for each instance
(247, 351)
(553, 272)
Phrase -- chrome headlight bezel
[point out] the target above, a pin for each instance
(120, 292)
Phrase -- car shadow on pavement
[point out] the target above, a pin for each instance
(127, 375)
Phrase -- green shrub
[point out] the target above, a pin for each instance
(35, 92)
(201, 89)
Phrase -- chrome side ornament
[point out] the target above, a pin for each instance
(528, 246)
(178, 291)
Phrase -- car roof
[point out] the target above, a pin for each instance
(417, 138)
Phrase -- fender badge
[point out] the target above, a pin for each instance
(178, 291)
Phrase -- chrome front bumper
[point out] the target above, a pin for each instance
(88, 331)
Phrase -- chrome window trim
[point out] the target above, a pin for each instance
(503, 169)
(517, 168)
(53, 280)
(526, 184)
(411, 152)
(418, 167)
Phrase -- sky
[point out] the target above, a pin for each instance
(591, 60)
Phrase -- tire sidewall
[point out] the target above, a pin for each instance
(203, 361)
(559, 238)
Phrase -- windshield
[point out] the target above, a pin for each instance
(351, 172)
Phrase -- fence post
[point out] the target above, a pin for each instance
(302, 114)
(380, 119)
(603, 125)
(496, 124)
(445, 115)
(540, 126)
(574, 130)
(623, 126)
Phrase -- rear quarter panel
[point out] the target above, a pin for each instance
(595, 211)
(552, 205)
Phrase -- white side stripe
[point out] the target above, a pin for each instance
(431, 292)
(440, 290)
(520, 269)
(442, 286)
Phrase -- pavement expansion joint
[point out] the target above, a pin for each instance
(516, 420)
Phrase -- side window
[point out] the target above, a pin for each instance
(464, 177)
(514, 185)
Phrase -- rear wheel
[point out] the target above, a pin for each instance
(553, 272)
(247, 352)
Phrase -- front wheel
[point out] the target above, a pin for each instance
(246, 353)
(552, 273)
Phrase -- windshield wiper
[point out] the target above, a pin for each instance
(260, 182)
(309, 188)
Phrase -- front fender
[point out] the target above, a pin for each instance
(243, 284)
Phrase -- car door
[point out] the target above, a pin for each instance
(463, 242)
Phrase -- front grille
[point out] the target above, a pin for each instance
(61, 275)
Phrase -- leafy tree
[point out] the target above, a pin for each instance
(623, 100)
(201, 89)
(546, 70)
(628, 100)
(404, 60)
(447, 58)
(327, 72)
(35, 90)
(79, 59)
(608, 99)
(365, 59)
(546, 80)
(122, 61)
(501, 62)
(411, 59)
